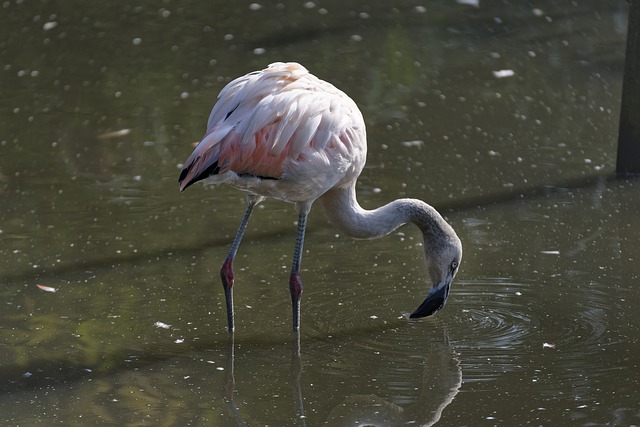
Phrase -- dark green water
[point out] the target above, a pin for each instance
(99, 106)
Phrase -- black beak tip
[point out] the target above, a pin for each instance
(434, 302)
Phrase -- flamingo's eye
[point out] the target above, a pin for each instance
(454, 265)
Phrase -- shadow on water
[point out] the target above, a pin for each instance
(457, 205)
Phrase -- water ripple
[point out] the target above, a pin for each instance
(493, 334)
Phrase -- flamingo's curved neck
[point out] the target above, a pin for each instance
(346, 214)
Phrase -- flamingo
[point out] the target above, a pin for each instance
(283, 133)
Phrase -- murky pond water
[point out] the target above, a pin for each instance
(503, 116)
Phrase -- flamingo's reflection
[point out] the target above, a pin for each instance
(441, 382)
(296, 374)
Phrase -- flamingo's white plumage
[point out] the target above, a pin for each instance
(284, 133)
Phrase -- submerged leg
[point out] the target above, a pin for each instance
(226, 272)
(295, 284)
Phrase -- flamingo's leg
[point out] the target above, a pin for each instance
(226, 272)
(295, 284)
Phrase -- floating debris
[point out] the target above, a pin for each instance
(500, 74)
(46, 288)
(114, 134)
(416, 143)
(474, 3)
(548, 345)
(162, 325)
(49, 25)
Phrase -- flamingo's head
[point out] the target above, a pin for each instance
(443, 260)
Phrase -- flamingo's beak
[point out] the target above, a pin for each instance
(436, 298)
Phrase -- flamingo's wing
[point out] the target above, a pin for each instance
(267, 118)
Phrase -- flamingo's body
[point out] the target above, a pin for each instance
(284, 133)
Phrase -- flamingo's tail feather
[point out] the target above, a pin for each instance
(195, 171)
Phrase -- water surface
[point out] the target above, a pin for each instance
(502, 116)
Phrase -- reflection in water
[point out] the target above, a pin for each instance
(441, 380)
(296, 374)
(230, 384)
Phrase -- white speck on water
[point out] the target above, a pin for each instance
(309, 5)
(416, 143)
(49, 25)
(356, 38)
(377, 190)
(501, 74)
(27, 374)
(228, 37)
(537, 12)
(162, 325)
(550, 252)
(474, 3)
(420, 9)
(255, 6)
(184, 95)
(47, 288)
(219, 368)
(136, 41)
(259, 51)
